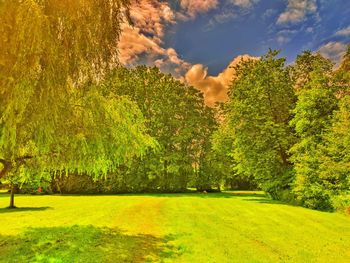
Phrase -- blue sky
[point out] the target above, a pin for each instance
(197, 40)
(254, 30)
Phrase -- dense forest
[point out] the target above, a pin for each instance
(73, 120)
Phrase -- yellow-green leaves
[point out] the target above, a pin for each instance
(52, 110)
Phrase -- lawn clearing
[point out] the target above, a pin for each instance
(222, 227)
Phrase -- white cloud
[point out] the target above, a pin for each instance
(285, 36)
(333, 51)
(283, 40)
(191, 8)
(309, 29)
(243, 3)
(142, 43)
(268, 13)
(297, 10)
(343, 32)
(231, 9)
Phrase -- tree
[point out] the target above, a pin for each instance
(259, 106)
(305, 65)
(342, 76)
(176, 117)
(224, 163)
(312, 117)
(53, 55)
(334, 169)
(207, 173)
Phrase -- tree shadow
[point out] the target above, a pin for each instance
(23, 209)
(230, 194)
(85, 244)
(270, 201)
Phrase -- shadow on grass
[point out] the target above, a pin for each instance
(23, 209)
(270, 201)
(265, 201)
(231, 194)
(85, 244)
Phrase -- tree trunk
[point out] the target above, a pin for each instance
(12, 197)
(166, 176)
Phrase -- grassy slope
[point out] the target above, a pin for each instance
(169, 228)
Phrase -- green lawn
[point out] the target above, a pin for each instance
(226, 227)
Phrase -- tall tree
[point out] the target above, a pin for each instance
(53, 116)
(334, 170)
(260, 102)
(312, 117)
(305, 66)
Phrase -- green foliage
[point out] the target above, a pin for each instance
(335, 160)
(312, 119)
(222, 141)
(261, 98)
(306, 65)
(176, 117)
(53, 116)
(313, 114)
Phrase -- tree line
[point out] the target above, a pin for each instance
(72, 119)
(288, 128)
(68, 108)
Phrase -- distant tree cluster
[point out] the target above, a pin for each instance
(289, 128)
(176, 117)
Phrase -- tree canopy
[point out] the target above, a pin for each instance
(53, 116)
(259, 106)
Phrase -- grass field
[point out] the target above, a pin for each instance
(225, 227)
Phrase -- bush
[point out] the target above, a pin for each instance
(341, 203)
(36, 187)
(315, 196)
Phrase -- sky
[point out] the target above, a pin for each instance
(198, 41)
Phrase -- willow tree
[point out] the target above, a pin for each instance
(53, 117)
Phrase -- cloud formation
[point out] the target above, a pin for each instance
(285, 36)
(334, 51)
(214, 88)
(230, 9)
(142, 43)
(243, 3)
(343, 32)
(297, 10)
(191, 8)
